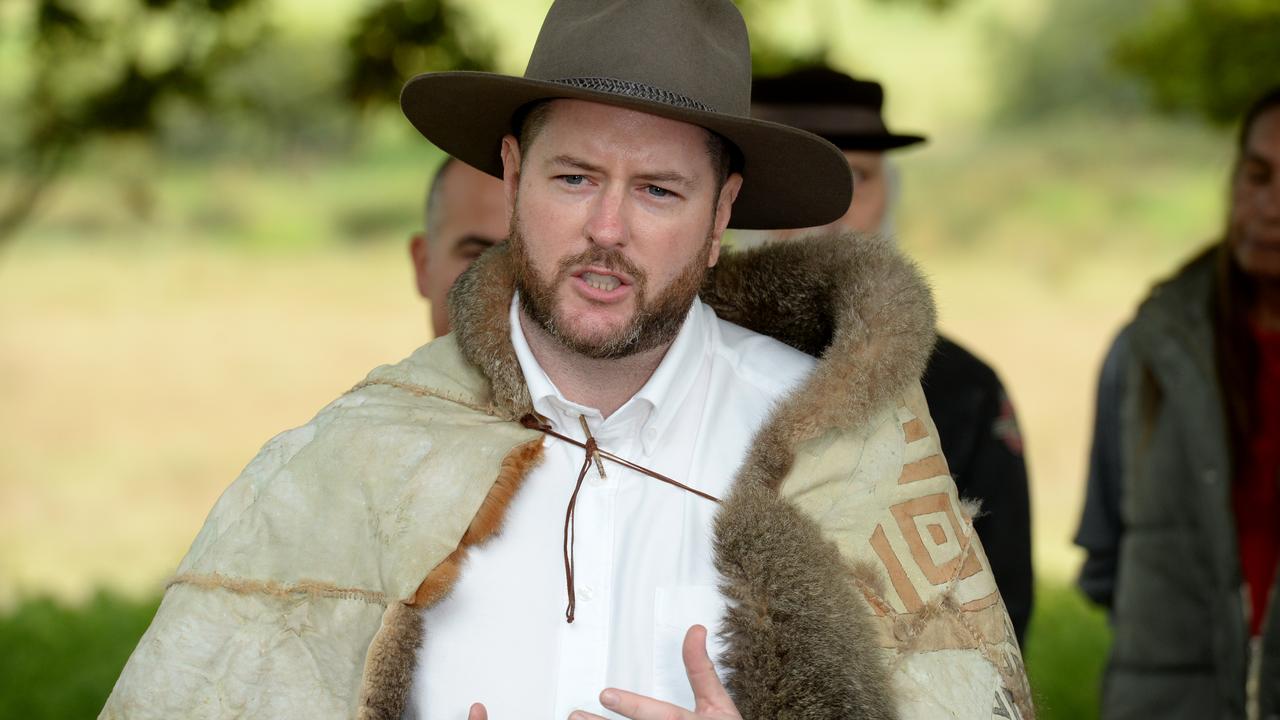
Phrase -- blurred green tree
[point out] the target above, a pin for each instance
(86, 71)
(1062, 66)
(90, 70)
(396, 39)
(1209, 57)
(1203, 58)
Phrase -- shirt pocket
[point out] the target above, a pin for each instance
(676, 609)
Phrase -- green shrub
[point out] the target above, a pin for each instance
(60, 661)
(1066, 649)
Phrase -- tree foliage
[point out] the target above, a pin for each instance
(92, 70)
(87, 70)
(397, 39)
(1210, 57)
(1064, 65)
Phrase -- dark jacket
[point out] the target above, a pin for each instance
(1161, 537)
(983, 447)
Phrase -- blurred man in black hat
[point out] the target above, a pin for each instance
(970, 407)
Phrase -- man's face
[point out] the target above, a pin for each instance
(616, 217)
(470, 217)
(1254, 232)
(870, 195)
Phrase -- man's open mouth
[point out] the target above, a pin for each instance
(607, 283)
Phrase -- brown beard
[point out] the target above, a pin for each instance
(652, 324)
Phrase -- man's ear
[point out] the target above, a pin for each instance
(418, 251)
(724, 210)
(510, 172)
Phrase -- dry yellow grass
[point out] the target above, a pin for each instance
(136, 386)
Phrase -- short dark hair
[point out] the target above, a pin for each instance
(434, 192)
(532, 118)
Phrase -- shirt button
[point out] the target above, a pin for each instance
(586, 593)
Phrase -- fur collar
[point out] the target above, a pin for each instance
(853, 301)
(800, 640)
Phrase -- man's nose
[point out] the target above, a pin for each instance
(606, 226)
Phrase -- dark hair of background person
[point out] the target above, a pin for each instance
(434, 191)
(1236, 350)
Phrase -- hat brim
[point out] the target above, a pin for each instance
(791, 178)
(872, 143)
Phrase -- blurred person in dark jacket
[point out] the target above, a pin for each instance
(970, 407)
(465, 215)
(1182, 516)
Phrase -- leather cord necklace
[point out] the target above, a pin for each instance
(592, 455)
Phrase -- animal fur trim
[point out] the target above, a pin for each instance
(853, 300)
(388, 673)
(388, 666)
(478, 309)
(515, 468)
(790, 599)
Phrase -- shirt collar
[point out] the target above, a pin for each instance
(655, 404)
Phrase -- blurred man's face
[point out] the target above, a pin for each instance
(1254, 232)
(870, 196)
(617, 215)
(470, 217)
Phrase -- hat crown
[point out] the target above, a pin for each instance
(819, 86)
(692, 53)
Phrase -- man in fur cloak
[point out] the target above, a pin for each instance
(626, 441)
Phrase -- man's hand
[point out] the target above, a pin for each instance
(711, 701)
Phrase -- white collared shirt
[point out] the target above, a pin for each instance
(643, 550)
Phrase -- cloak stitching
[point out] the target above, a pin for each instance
(307, 588)
(423, 391)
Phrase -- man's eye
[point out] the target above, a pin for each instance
(656, 191)
(1256, 173)
(573, 179)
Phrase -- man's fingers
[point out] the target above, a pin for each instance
(708, 691)
(639, 707)
(478, 712)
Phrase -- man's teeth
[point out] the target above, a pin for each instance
(601, 282)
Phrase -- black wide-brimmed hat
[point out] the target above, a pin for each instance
(840, 109)
(687, 60)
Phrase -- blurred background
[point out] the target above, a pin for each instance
(205, 205)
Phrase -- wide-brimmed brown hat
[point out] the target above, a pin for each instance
(842, 110)
(687, 60)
